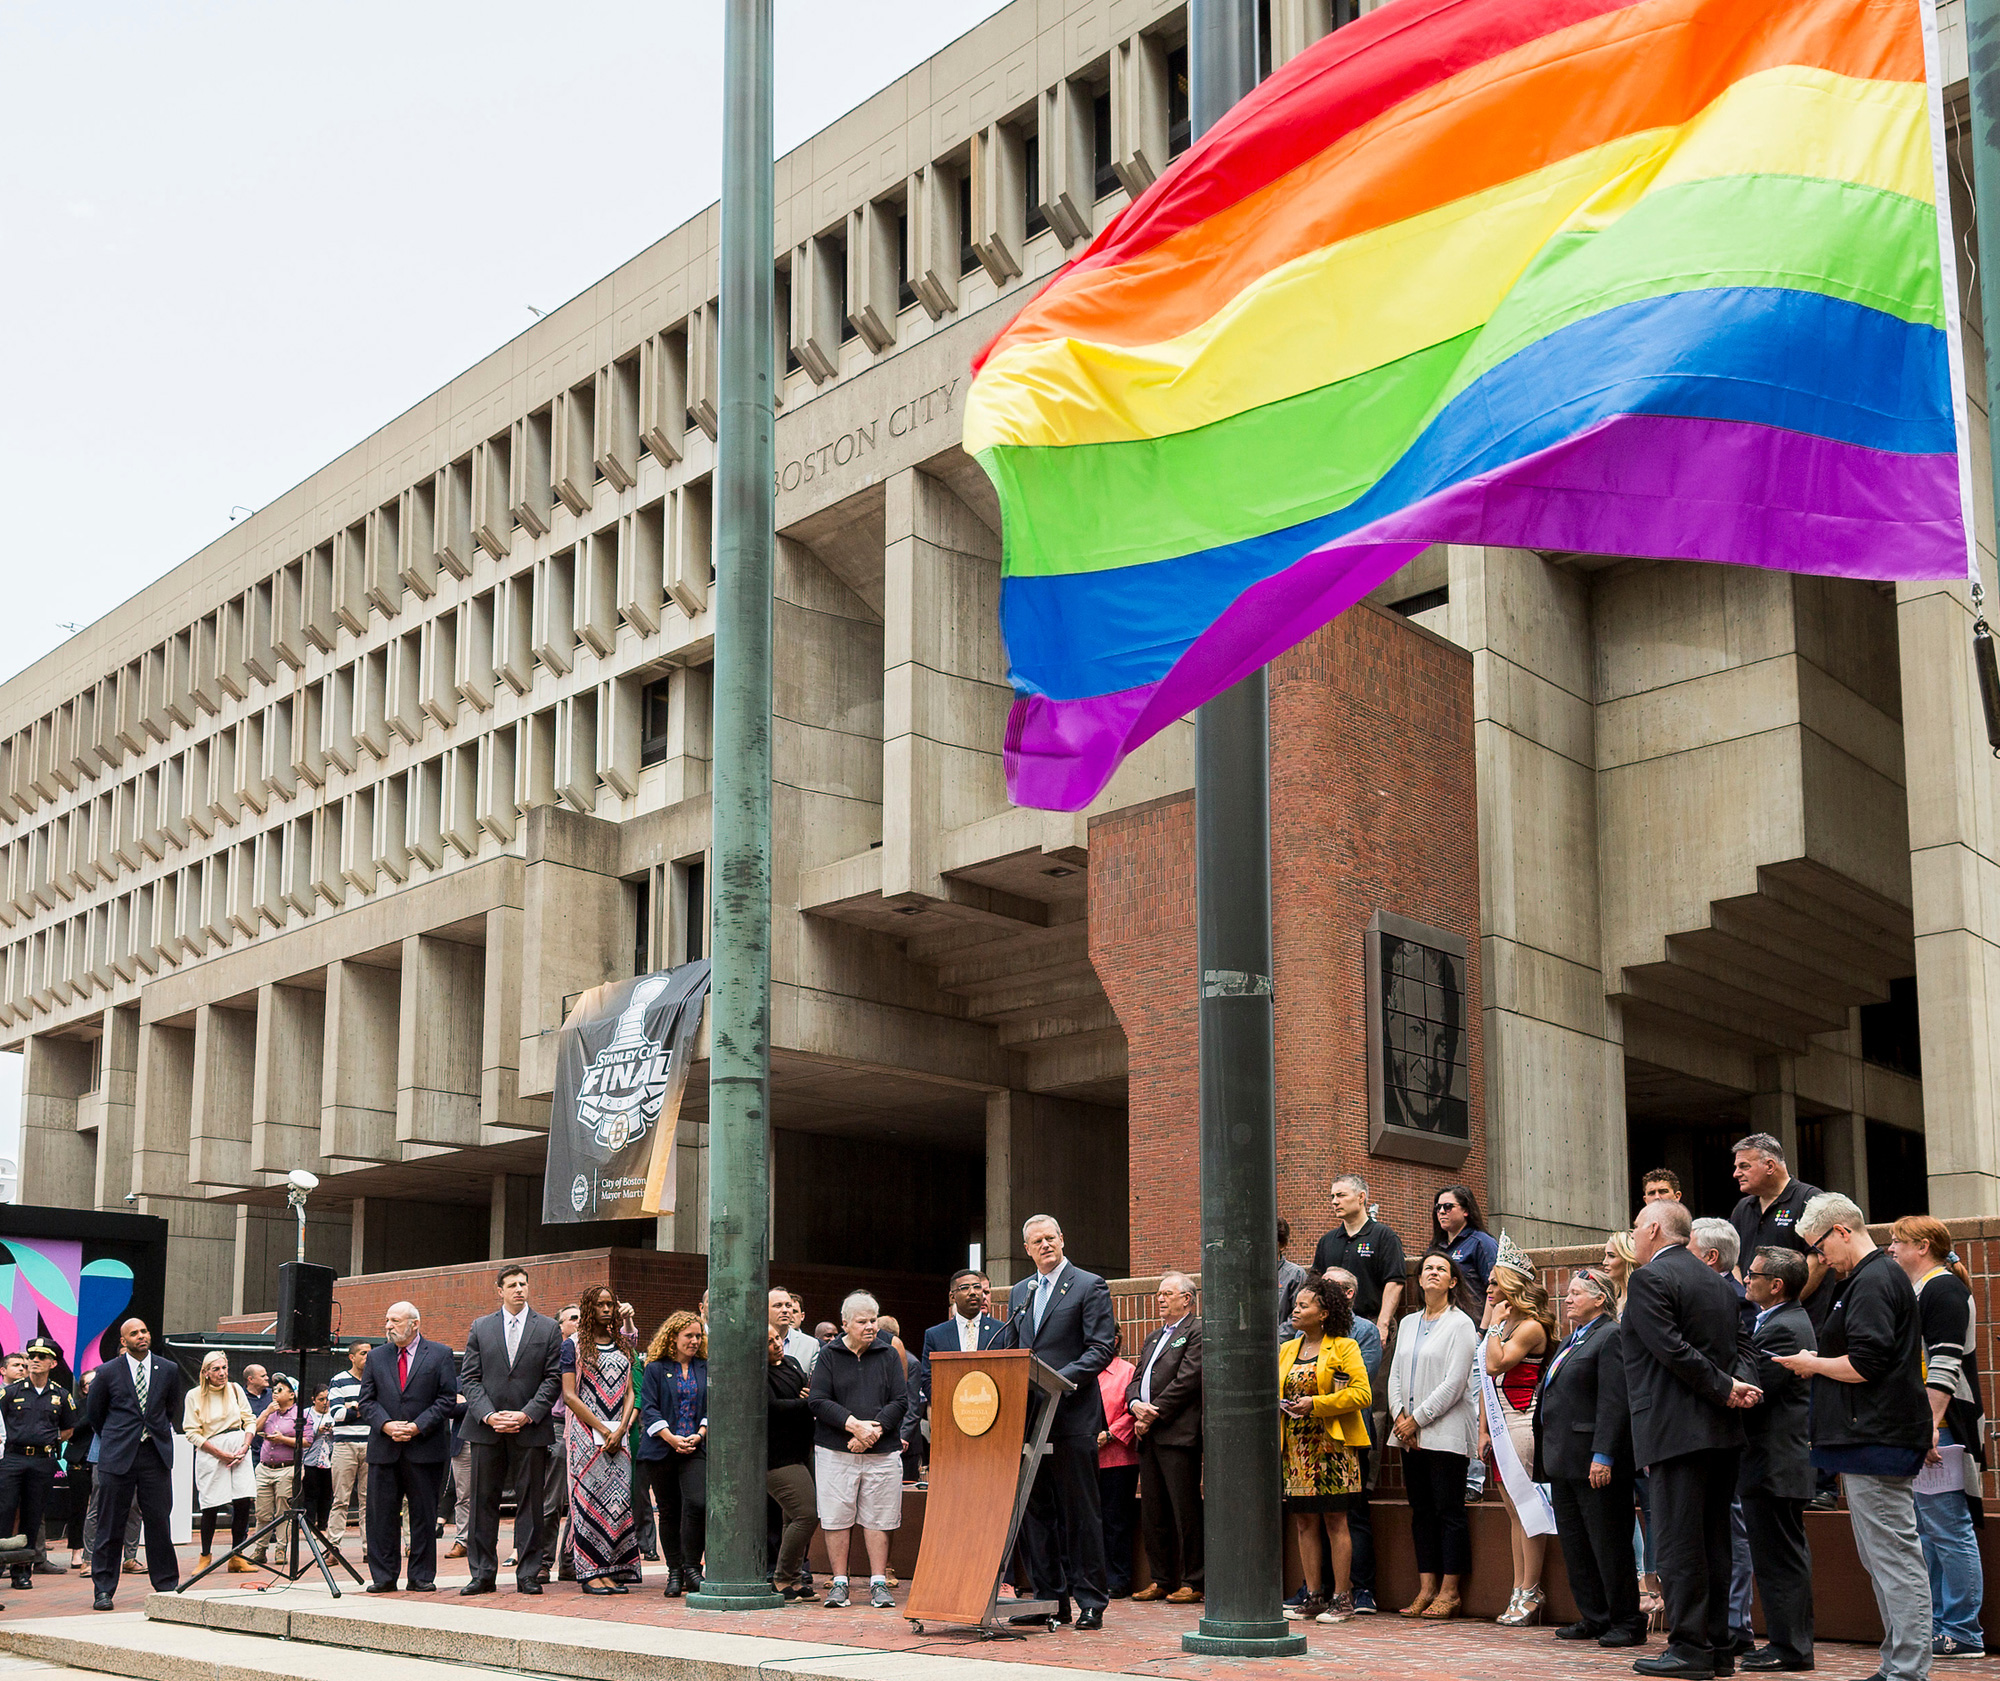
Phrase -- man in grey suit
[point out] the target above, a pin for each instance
(1777, 1478)
(509, 1379)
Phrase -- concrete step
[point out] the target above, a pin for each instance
(235, 1635)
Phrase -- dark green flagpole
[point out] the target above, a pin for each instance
(1243, 1613)
(739, 1076)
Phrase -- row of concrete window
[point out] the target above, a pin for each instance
(463, 801)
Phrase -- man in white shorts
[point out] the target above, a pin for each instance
(859, 1395)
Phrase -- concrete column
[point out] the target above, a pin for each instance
(263, 1241)
(284, 1099)
(1555, 1084)
(944, 689)
(576, 928)
(266, 1238)
(200, 1283)
(357, 1233)
(1774, 1107)
(1047, 1155)
(118, 1091)
(357, 1115)
(58, 1166)
(1847, 1156)
(225, 1063)
(1955, 891)
(438, 1047)
(503, 1114)
(686, 1229)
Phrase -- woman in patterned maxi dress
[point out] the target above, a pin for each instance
(597, 1366)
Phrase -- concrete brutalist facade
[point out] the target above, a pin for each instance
(304, 848)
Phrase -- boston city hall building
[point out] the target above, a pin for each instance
(1581, 865)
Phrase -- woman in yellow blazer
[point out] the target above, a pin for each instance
(1324, 1398)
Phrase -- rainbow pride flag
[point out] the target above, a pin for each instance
(1660, 279)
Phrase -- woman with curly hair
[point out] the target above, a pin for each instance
(1323, 1385)
(1519, 1334)
(673, 1444)
(596, 1367)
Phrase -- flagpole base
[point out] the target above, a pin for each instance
(1218, 1639)
(735, 1596)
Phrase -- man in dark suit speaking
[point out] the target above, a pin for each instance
(134, 1406)
(1064, 1315)
(1687, 1362)
(408, 1389)
(509, 1378)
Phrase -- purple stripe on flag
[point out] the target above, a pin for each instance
(1646, 485)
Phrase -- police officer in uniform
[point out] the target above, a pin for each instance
(39, 1415)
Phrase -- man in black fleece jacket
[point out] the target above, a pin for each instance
(859, 1395)
(1870, 1421)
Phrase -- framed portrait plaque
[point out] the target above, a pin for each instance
(1419, 1042)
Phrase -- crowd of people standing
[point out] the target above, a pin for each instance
(1670, 1421)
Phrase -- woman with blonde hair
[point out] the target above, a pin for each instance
(1948, 1322)
(1323, 1385)
(1619, 1260)
(218, 1420)
(596, 1366)
(1519, 1334)
(673, 1445)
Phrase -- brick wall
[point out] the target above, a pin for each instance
(1372, 807)
(655, 1282)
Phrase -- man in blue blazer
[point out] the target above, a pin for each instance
(409, 1387)
(134, 1406)
(968, 1329)
(1064, 1315)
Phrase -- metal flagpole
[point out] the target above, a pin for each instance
(1982, 34)
(739, 1071)
(1243, 1609)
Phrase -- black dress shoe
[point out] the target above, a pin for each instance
(1576, 1631)
(380, 1587)
(103, 1603)
(619, 1587)
(529, 1586)
(1678, 1668)
(472, 1588)
(1623, 1636)
(423, 1587)
(1090, 1619)
(1766, 1657)
(597, 1585)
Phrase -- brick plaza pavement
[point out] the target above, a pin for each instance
(1136, 1639)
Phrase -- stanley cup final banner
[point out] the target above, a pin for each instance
(620, 1067)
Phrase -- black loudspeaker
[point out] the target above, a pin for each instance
(305, 1308)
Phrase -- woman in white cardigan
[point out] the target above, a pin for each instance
(1436, 1423)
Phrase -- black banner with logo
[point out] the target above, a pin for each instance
(620, 1068)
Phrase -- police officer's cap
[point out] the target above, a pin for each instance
(42, 1346)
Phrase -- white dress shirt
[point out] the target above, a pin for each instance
(1159, 1348)
(968, 1333)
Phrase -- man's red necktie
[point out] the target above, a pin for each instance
(403, 1368)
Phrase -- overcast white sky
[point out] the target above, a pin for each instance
(240, 237)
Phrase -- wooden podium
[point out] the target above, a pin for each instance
(985, 1450)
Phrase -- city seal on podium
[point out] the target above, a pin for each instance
(975, 1404)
